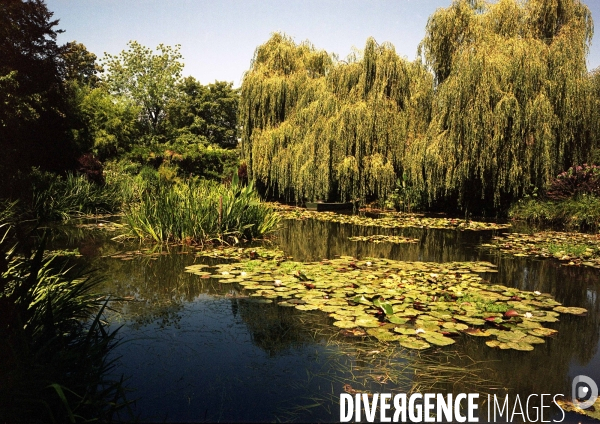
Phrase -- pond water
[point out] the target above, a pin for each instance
(197, 350)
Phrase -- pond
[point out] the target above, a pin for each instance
(200, 350)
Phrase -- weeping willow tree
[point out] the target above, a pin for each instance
(314, 127)
(514, 104)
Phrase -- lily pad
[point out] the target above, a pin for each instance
(571, 310)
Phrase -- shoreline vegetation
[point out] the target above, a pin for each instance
(56, 343)
(483, 123)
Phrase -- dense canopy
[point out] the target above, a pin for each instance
(498, 103)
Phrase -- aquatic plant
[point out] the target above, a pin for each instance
(572, 248)
(390, 220)
(417, 304)
(55, 343)
(60, 198)
(197, 211)
(381, 238)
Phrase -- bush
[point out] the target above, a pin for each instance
(91, 168)
(209, 162)
(578, 213)
(576, 181)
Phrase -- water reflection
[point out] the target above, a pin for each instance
(202, 351)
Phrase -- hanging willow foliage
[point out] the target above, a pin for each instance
(317, 128)
(499, 104)
(514, 103)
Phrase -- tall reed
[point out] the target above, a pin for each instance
(199, 210)
(55, 345)
(58, 198)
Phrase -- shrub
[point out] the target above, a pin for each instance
(578, 213)
(91, 168)
(575, 181)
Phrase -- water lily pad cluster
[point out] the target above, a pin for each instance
(391, 220)
(417, 304)
(381, 238)
(592, 412)
(572, 248)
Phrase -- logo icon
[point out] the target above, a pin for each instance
(584, 391)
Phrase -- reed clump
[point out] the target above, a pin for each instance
(55, 344)
(196, 211)
(56, 197)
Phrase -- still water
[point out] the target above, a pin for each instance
(196, 350)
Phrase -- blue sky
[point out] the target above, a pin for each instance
(218, 37)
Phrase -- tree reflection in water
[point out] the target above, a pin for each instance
(165, 298)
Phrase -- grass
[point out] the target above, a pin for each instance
(196, 211)
(55, 344)
(581, 213)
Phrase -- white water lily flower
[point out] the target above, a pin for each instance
(528, 315)
(537, 292)
(369, 263)
(419, 330)
(278, 283)
(243, 273)
(225, 273)
(432, 275)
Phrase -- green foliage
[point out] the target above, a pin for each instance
(33, 106)
(577, 250)
(514, 103)
(482, 304)
(405, 197)
(198, 210)
(79, 65)
(208, 112)
(55, 344)
(578, 213)
(59, 198)
(110, 123)
(185, 160)
(315, 128)
(149, 80)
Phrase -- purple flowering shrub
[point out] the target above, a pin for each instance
(575, 181)
(92, 168)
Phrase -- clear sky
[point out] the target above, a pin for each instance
(218, 37)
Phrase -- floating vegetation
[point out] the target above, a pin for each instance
(593, 412)
(381, 238)
(63, 252)
(572, 248)
(417, 304)
(102, 225)
(129, 255)
(392, 220)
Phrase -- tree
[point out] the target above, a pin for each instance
(149, 80)
(208, 111)
(33, 129)
(79, 65)
(513, 104)
(316, 128)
